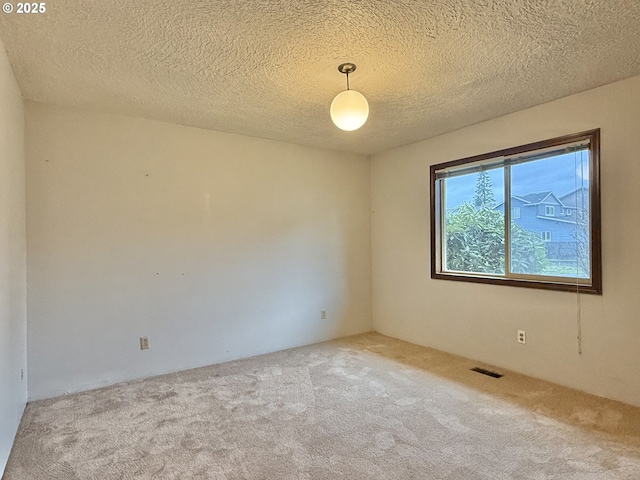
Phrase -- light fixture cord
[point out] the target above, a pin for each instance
(347, 79)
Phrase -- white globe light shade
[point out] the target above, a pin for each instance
(349, 110)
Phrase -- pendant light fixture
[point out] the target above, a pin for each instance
(349, 110)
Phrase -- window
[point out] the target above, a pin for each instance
(478, 235)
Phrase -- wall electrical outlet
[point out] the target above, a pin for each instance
(144, 343)
(522, 336)
(323, 314)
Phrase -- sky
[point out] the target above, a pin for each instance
(561, 174)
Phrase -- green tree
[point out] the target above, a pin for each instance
(484, 198)
(475, 240)
(582, 238)
(475, 237)
(528, 254)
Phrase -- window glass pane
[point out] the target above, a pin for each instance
(473, 225)
(551, 235)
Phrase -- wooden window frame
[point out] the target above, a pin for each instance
(594, 283)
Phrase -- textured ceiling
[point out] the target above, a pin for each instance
(268, 68)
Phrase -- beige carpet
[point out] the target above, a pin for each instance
(365, 407)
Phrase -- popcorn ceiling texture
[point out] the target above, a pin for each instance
(268, 68)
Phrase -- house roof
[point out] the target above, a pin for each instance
(539, 197)
(535, 197)
(569, 199)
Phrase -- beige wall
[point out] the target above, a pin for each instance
(219, 246)
(215, 246)
(480, 321)
(13, 321)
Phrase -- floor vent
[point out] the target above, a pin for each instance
(486, 372)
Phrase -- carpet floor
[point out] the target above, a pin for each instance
(363, 407)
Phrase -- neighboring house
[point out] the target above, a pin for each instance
(579, 197)
(554, 219)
